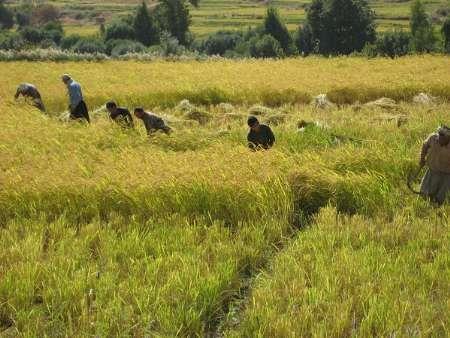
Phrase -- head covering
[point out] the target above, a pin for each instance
(66, 77)
(111, 104)
(444, 130)
(252, 120)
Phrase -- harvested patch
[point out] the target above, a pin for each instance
(260, 110)
(185, 106)
(321, 101)
(384, 103)
(225, 108)
(198, 115)
(231, 117)
(425, 99)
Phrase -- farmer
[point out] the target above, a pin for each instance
(151, 121)
(436, 155)
(77, 107)
(28, 90)
(260, 136)
(120, 115)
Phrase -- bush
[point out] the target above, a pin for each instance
(126, 47)
(11, 41)
(265, 47)
(69, 41)
(119, 30)
(219, 43)
(170, 45)
(32, 34)
(23, 18)
(89, 46)
(392, 44)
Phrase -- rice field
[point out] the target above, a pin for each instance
(107, 232)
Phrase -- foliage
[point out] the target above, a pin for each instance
(144, 27)
(125, 47)
(221, 42)
(341, 26)
(274, 26)
(265, 47)
(11, 41)
(69, 41)
(89, 46)
(394, 43)
(119, 30)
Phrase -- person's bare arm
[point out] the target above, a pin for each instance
(424, 152)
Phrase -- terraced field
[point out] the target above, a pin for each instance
(108, 232)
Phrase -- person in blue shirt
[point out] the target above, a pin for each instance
(77, 106)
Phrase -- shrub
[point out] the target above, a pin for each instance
(265, 47)
(69, 41)
(220, 42)
(119, 30)
(89, 46)
(12, 41)
(32, 34)
(23, 18)
(126, 47)
(392, 44)
(170, 45)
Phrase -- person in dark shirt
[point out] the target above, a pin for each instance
(151, 121)
(120, 115)
(28, 90)
(260, 135)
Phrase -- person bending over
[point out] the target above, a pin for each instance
(260, 136)
(436, 155)
(77, 106)
(120, 115)
(151, 121)
(29, 91)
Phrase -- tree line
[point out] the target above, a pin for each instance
(332, 27)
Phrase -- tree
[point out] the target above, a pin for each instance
(423, 38)
(144, 28)
(6, 17)
(176, 19)
(394, 43)
(445, 30)
(274, 26)
(304, 40)
(341, 26)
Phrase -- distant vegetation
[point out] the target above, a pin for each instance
(331, 27)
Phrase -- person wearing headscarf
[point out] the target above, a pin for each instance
(77, 106)
(435, 155)
(152, 122)
(260, 136)
(28, 90)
